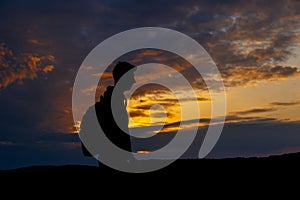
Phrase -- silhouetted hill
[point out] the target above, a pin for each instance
(283, 165)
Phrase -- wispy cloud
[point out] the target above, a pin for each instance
(270, 107)
(238, 119)
(285, 103)
(253, 111)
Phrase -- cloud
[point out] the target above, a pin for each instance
(285, 103)
(148, 105)
(249, 119)
(246, 42)
(239, 38)
(237, 76)
(270, 107)
(21, 66)
(176, 101)
(6, 143)
(253, 111)
(48, 68)
(155, 91)
(137, 113)
(249, 43)
(36, 42)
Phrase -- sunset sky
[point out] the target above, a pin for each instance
(254, 44)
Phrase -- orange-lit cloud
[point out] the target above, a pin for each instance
(252, 115)
(248, 44)
(253, 66)
(48, 68)
(6, 143)
(36, 42)
(143, 100)
(143, 152)
(243, 40)
(243, 62)
(21, 66)
(240, 76)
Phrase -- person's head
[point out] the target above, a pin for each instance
(119, 70)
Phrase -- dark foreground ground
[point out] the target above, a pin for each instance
(245, 178)
(285, 166)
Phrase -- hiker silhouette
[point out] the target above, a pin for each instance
(103, 108)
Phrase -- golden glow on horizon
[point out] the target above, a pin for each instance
(285, 94)
(262, 95)
(77, 127)
(252, 98)
(143, 152)
(257, 98)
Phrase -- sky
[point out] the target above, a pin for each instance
(254, 44)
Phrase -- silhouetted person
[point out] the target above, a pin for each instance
(104, 113)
